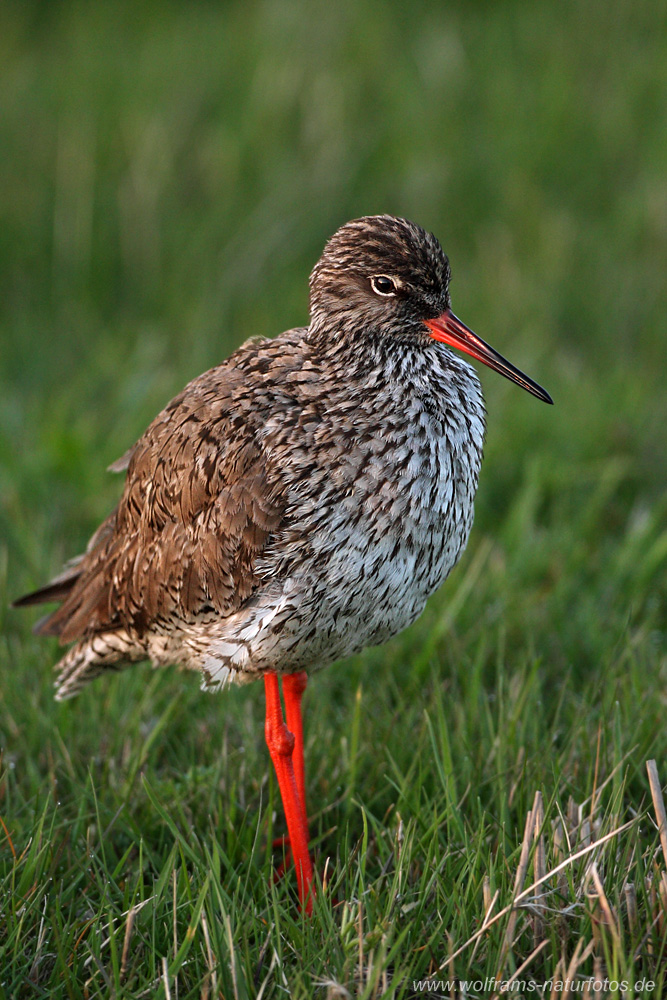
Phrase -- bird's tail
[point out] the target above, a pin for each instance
(89, 658)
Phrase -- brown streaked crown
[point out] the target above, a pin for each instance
(345, 297)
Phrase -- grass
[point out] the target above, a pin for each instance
(169, 175)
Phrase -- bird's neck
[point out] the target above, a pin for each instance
(408, 365)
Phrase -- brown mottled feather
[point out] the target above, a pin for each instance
(201, 498)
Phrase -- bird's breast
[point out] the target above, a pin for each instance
(380, 480)
(413, 499)
(380, 515)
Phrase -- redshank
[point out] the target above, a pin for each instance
(296, 503)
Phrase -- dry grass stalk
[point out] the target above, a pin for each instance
(486, 893)
(486, 886)
(599, 976)
(645, 946)
(165, 978)
(662, 893)
(631, 906)
(9, 839)
(585, 830)
(212, 975)
(658, 804)
(522, 968)
(609, 916)
(595, 912)
(560, 840)
(595, 791)
(129, 925)
(232, 955)
(450, 966)
(360, 938)
(539, 864)
(268, 978)
(34, 968)
(325, 876)
(557, 978)
(581, 953)
(174, 880)
(531, 888)
(573, 815)
(335, 991)
(519, 879)
(107, 927)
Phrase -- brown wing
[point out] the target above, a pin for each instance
(201, 499)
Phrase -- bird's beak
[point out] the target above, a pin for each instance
(449, 329)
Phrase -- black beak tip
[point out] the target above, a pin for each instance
(536, 390)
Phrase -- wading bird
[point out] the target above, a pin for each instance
(296, 503)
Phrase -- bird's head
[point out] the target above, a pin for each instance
(381, 276)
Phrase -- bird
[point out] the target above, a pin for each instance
(298, 502)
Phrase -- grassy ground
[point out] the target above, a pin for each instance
(169, 174)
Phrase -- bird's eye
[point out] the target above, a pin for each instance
(382, 285)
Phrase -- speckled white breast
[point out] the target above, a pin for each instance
(377, 531)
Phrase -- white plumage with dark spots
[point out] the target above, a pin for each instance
(298, 502)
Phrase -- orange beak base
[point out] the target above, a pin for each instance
(448, 329)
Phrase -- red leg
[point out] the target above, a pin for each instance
(293, 687)
(281, 742)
